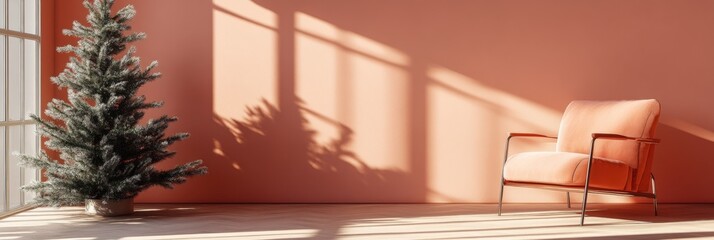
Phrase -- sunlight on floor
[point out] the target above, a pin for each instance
(366, 221)
(258, 235)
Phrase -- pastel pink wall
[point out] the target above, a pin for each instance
(410, 101)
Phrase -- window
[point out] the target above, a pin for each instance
(19, 97)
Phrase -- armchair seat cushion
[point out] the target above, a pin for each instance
(567, 169)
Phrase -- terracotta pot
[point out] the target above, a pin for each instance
(109, 208)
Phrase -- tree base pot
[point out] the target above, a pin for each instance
(109, 208)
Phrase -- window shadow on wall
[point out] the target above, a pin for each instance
(273, 153)
(277, 158)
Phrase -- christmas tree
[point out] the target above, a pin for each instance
(108, 152)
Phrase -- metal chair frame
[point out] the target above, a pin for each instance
(586, 189)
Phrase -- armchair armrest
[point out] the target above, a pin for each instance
(621, 137)
(512, 135)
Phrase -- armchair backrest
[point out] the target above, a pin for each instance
(633, 118)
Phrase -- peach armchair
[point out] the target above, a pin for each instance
(603, 147)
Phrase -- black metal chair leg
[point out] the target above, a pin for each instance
(500, 200)
(567, 198)
(654, 192)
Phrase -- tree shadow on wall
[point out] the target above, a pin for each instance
(278, 159)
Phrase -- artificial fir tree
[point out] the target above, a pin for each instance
(108, 153)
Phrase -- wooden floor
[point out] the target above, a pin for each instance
(367, 221)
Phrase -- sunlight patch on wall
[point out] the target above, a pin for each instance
(316, 27)
(316, 80)
(467, 127)
(250, 11)
(371, 48)
(244, 67)
(534, 115)
(357, 82)
(348, 40)
(690, 128)
(380, 112)
(461, 134)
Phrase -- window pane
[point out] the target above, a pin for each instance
(30, 148)
(30, 78)
(2, 13)
(2, 78)
(30, 16)
(2, 169)
(19, 84)
(15, 81)
(14, 178)
(14, 13)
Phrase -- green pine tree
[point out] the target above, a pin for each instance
(108, 154)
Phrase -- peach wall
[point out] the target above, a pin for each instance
(47, 49)
(410, 101)
(47, 56)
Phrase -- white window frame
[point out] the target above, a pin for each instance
(6, 33)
